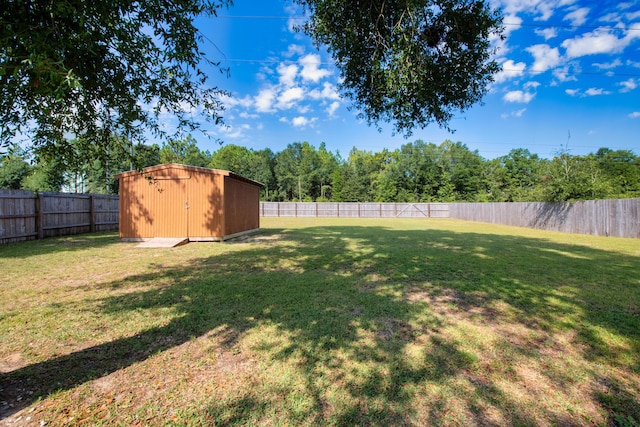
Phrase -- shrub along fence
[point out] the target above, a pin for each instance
(27, 216)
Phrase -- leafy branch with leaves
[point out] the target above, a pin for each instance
(91, 69)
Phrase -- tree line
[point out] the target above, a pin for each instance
(415, 172)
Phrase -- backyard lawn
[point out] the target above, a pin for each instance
(324, 322)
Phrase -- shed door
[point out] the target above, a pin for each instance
(171, 212)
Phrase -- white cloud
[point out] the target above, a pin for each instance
(264, 100)
(592, 91)
(628, 85)
(545, 10)
(577, 17)
(531, 85)
(289, 97)
(610, 17)
(294, 22)
(519, 96)
(634, 115)
(287, 74)
(564, 73)
(547, 33)
(303, 109)
(595, 42)
(541, 9)
(572, 92)
(512, 23)
(288, 86)
(302, 121)
(608, 65)
(232, 101)
(510, 70)
(633, 32)
(293, 50)
(331, 109)
(517, 113)
(632, 15)
(232, 132)
(295, 17)
(545, 57)
(311, 70)
(328, 91)
(246, 115)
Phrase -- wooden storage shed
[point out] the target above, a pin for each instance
(179, 201)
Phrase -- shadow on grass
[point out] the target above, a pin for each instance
(323, 287)
(58, 244)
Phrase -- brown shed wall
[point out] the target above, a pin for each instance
(241, 206)
(183, 201)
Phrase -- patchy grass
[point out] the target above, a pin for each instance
(324, 322)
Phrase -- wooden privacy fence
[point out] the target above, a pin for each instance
(25, 216)
(616, 218)
(354, 210)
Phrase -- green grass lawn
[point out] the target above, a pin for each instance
(324, 322)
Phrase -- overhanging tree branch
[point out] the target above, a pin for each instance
(408, 62)
(75, 67)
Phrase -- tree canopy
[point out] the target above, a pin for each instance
(91, 69)
(409, 62)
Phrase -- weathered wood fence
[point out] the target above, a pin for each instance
(27, 216)
(354, 210)
(616, 218)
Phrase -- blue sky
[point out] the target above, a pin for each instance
(570, 79)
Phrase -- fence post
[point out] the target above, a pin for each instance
(40, 216)
(92, 214)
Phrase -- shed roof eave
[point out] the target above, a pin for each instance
(164, 166)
